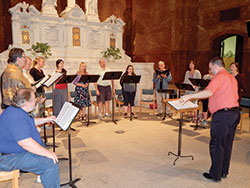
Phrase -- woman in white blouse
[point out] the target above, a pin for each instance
(191, 73)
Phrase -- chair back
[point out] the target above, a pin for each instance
(93, 93)
(72, 94)
(48, 95)
(147, 91)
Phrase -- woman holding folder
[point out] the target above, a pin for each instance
(82, 97)
(60, 95)
(128, 91)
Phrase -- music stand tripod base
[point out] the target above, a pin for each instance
(71, 183)
(179, 156)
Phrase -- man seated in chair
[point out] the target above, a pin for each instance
(21, 144)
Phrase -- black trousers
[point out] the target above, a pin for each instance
(222, 132)
(129, 98)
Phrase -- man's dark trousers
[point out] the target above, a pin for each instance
(223, 126)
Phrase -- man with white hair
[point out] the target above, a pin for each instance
(21, 144)
(161, 78)
(103, 89)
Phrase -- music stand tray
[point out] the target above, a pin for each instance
(199, 82)
(115, 75)
(184, 86)
(181, 110)
(89, 79)
(131, 79)
(67, 79)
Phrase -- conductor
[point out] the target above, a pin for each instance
(222, 92)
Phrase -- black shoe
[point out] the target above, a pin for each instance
(223, 175)
(207, 175)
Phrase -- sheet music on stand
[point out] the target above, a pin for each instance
(66, 115)
(184, 86)
(48, 80)
(199, 82)
(67, 79)
(180, 106)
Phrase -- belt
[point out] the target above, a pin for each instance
(228, 109)
(5, 153)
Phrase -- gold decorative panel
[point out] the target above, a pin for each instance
(76, 36)
(25, 37)
(112, 40)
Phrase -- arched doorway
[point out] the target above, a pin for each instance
(230, 48)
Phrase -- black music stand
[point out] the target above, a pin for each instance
(134, 80)
(166, 91)
(178, 155)
(44, 125)
(89, 79)
(67, 79)
(184, 86)
(187, 87)
(112, 76)
(200, 83)
(71, 182)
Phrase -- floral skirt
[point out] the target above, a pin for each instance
(82, 98)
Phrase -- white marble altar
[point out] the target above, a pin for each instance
(74, 36)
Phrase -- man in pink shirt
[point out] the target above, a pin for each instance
(223, 104)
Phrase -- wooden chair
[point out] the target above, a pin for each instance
(150, 98)
(243, 115)
(12, 175)
(72, 95)
(119, 101)
(49, 109)
(94, 102)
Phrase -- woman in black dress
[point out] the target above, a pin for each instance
(234, 68)
(37, 73)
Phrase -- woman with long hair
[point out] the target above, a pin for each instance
(82, 97)
(37, 73)
(128, 91)
(60, 95)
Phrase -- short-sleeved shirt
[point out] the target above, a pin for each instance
(16, 125)
(100, 81)
(225, 91)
